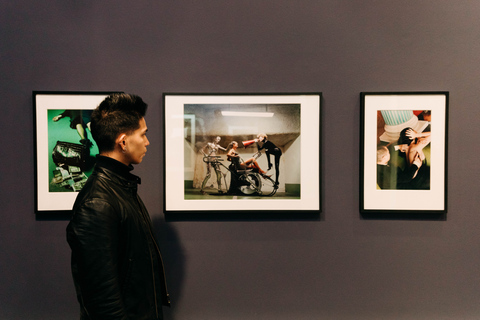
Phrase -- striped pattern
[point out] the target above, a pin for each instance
(396, 117)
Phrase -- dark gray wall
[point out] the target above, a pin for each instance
(335, 266)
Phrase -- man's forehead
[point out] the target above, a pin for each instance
(142, 123)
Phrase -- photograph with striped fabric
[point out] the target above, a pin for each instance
(403, 152)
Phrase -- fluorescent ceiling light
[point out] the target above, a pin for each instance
(247, 114)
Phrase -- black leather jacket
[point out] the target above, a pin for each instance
(116, 264)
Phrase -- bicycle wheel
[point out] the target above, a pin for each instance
(269, 188)
(251, 183)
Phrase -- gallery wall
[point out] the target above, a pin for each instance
(333, 265)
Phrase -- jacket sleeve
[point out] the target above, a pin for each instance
(93, 235)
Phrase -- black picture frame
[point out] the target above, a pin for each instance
(63, 159)
(403, 171)
(192, 120)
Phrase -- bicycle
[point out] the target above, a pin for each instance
(248, 182)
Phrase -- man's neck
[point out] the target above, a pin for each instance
(117, 167)
(116, 155)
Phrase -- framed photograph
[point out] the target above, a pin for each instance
(403, 153)
(242, 152)
(64, 148)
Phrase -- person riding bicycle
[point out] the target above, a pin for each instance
(234, 157)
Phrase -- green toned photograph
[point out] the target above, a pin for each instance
(64, 148)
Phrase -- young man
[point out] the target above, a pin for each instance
(116, 263)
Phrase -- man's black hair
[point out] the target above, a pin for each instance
(118, 113)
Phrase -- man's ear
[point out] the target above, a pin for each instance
(121, 140)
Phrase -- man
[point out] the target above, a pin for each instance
(116, 263)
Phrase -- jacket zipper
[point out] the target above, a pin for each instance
(154, 286)
(163, 266)
(146, 220)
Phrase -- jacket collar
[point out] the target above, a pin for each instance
(117, 167)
